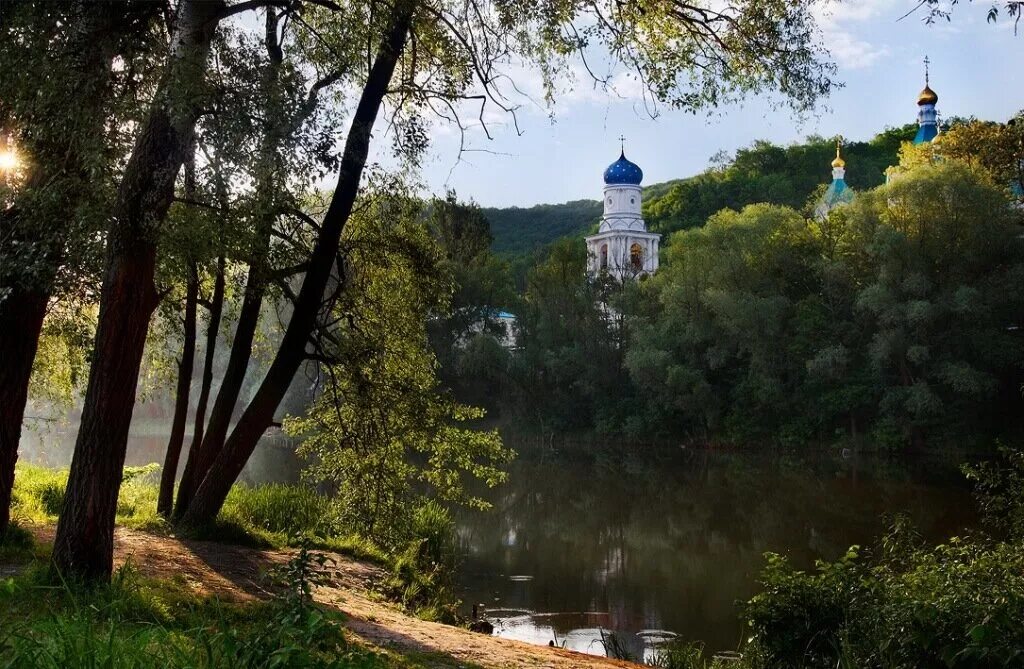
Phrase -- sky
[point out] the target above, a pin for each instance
(977, 69)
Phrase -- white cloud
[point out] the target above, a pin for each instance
(833, 14)
(839, 19)
(852, 53)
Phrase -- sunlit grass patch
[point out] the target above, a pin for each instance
(146, 622)
(39, 493)
(264, 516)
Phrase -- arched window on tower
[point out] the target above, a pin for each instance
(604, 256)
(636, 257)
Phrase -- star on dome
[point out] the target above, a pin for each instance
(622, 171)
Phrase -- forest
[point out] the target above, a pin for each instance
(218, 204)
(768, 324)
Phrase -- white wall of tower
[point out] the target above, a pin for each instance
(621, 236)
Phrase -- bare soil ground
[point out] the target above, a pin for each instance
(237, 573)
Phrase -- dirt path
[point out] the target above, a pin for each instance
(237, 573)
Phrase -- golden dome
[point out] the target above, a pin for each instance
(927, 96)
(838, 162)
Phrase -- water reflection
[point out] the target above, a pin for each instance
(579, 544)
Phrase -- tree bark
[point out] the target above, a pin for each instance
(216, 313)
(83, 545)
(58, 166)
(204, 450)
(21, 320)
(185, 367)
(206, 446)
(259, 414)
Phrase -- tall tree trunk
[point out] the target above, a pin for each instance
(212, 331)
(277, 127)
(21, 320)
(165, 499)
(206, 447)
(83, 546)
(58, 166)
(259, 414)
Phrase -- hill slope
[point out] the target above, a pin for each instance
(520, 231)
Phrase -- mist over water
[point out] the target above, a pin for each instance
(48, 439)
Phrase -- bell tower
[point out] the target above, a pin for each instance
(622, 247)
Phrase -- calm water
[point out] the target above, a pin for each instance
(665, 544)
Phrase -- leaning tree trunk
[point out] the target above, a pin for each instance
(212, 330)
(165, 499)
(205, 449)
(207, 445)
(259, 414)
(83, 545)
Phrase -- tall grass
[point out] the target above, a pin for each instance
(39, 493)
(272, 515)
(276, 515)
(137, 622)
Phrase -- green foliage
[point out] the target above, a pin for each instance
(955, 605)
(422, 574)
(520, 231)
(891, 315)
(999, 488)
(568, 371)
(768, 173)
(382, 434)
(460, 334)
(903, 604)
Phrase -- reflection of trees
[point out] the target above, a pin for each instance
(673, 540)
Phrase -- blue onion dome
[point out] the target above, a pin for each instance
(623, 172)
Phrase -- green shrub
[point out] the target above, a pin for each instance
(422, 574)
(958, 604)
(999, 488)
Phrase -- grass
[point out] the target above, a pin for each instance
(266, 516)
(141, 622)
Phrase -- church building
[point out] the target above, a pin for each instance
(927, 115)
(837, 193)
(622, 247)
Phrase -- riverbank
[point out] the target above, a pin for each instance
(212, 572)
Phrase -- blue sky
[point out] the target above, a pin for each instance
(977, 69)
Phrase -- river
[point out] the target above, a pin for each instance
(653, 543)
(646, 542)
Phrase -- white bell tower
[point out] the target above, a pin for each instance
(622, 247)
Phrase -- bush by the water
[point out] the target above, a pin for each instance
(902, 604)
